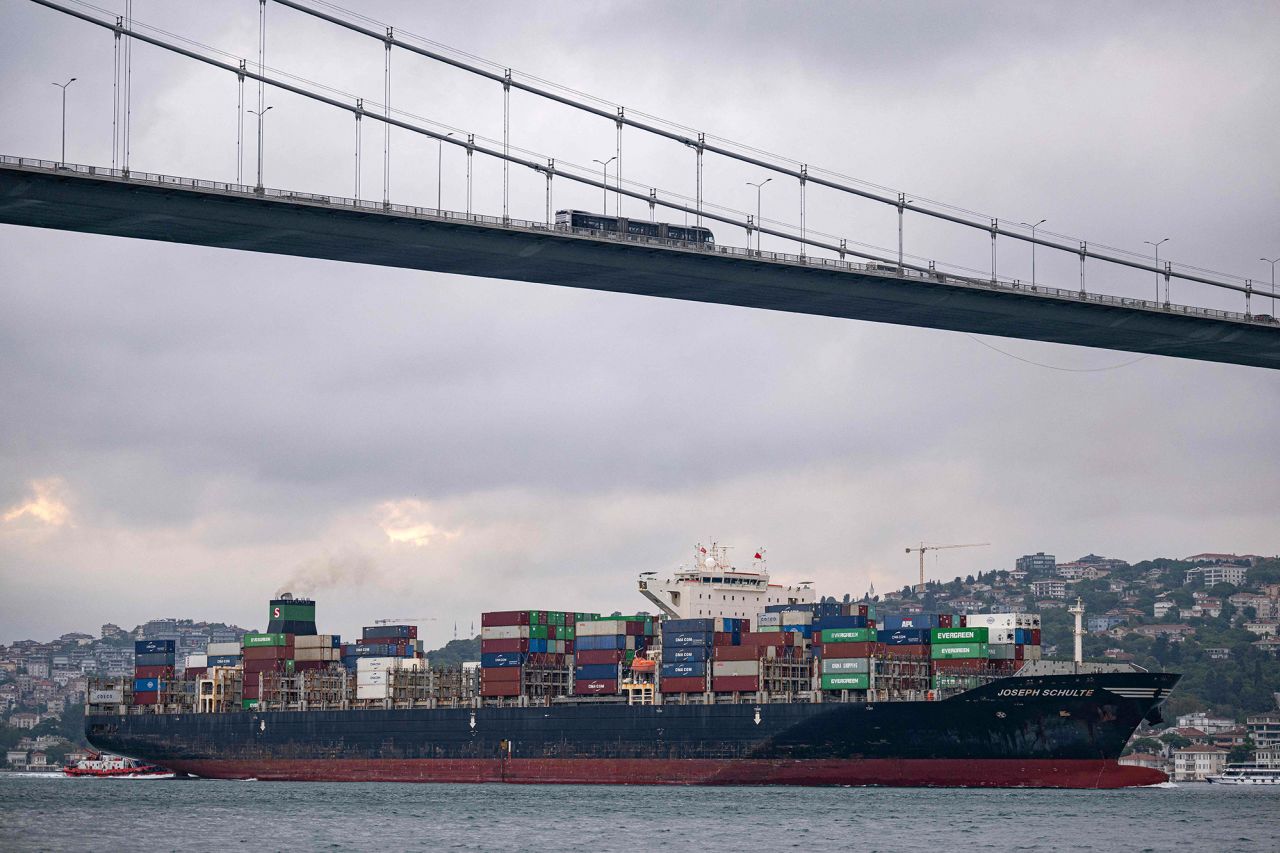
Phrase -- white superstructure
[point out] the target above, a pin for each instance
(712, 586)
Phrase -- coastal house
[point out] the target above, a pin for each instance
(1162, 607)
(24, 720)
(1174, 633)
(1197, 763)
(1264, 729)
(1205, 723)
(16, 757)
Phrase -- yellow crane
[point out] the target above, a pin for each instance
(923, 547)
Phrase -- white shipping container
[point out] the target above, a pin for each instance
(845, 665)
(505, 632)
(195, 661)
(106, 697)
(994, 621)
(796, 617)
(1031, 653)
(372, 691)
(310, 654)
(597, 628)
(768, 620)
(313, 641)
(372, 664)
(223, 649)
(377, 676)
(722, 668)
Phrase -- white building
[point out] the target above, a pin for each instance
(1218, 574)
(1197, 763)
(712, 586)
(1049, 589)
(1161, 608)
(1205, 723)
(1264, 730)
(1268, 628)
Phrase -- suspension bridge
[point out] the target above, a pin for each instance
(826, 276)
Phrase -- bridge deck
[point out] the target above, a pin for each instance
(39, 194)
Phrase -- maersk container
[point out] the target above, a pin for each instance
(676, 654)
(960, 650)
(845, 665)
(959, 635)
(154, 659)
(846, 681)
(848, 635)
(502, 659)
(151, 647)
(903, 636)
(592, 671)
(690, 669)
(146, 685)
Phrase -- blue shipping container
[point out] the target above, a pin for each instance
(151, 647)
(603, 671)
(501, 659)
(1021, 636)
(904, 636)
(671, 639)
(805, 631)
(146, 685)
(672, 626)
(686, 653)
(840, 622)
(604, 643)
(783, 608)
(224, 660)
(537, 645)
(916, 620)
(690, 669)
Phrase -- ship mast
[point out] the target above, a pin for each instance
(1077, 610)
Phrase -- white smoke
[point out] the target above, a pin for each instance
(331, 570)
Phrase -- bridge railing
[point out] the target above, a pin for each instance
(875, 268)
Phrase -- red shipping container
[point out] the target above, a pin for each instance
(739, 652)
(769, 638)
(964, 621)
(683, 685)
(568, 647)
(552, 632)
(723, 638)
(595, 686)
(310, 664)
(518, 644)
(152, 671)
(960, 665)
(633, 629)
(1019, 651)
(149, 698)
(194, 673)
(871, 623)
(848, 650)
(504, 617)
(500, 688)
(863, 610)
(500, 674)
(1035, 636)
(736, 684)
(268, 653)
(598, 656)
(944, 620)
(251, 689)
(888, 651)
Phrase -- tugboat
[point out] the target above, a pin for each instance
(110, 766)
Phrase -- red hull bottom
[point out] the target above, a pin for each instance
(909, 773)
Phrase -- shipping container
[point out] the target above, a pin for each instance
(847, 650)
(770, 620)
(671, 639)
(765, 637)
(960, 650)
(504, 632)
(691, 669)
(829, 622)
(222, 649)
(959, 635)
(690, 653)
(736, 652)
(154, 659)
(151, 647)
(502, 659)
(112, 696)
(599, 656)
(146, 685)
(732, 668)
(846, 681)
(596, 671)
(848, 635)
(254, 640)
(512, 645)
(503, 674)
(152, 672)
(903, 636)
(594, 687)
(845, 665)
(500, 688)
(269, 653)
(606, 642)
(504, 617)
(313, 641)
(683, 685)
(398, 632)
(736, 684)
(150, 697)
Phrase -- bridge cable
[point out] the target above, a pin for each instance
(1054, 366)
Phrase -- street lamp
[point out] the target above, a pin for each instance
(758, 187)
(604, 180)
(1273, 284)
(63, 87)
(1033, 249)
(440, 167)
(1157, 245)
(260, 116)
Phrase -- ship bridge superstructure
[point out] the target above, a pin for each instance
(711, 586)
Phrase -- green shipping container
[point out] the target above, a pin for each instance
(253, 640)
(848, 681)
(959, 651)
(847, 635)
(538, 632)
(949, 681)
(569, 632)
(959, 635)
(769, 629)
(250, 704)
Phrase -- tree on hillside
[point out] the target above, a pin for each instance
(1175, 740)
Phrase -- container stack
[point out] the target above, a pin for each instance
(316, 651)
(1012, 638)
(382, 641)
(153, 665)
(194, 666)
(844, 650)
(604, 647)
(374, 675)
(222, 654)
(264, 654)
(528, 652)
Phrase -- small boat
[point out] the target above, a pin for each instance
(1247, 773)
(108, 766)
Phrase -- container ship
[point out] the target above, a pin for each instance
(738, 681)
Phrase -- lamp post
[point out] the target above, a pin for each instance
(1033, 249)
(1273, 284)
(758, 187)
(604, 179)
(63, 87)
(440, 167)
(260, 116)
(1157, 245)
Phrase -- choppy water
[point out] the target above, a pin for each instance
(98, 814)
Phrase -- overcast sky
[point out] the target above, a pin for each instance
(183, 431)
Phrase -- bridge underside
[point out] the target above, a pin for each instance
(103, 205)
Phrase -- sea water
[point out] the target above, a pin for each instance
(55, 813)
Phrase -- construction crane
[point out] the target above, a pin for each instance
(923, 547)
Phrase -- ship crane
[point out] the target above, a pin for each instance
(923, 547)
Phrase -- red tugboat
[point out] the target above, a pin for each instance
(110, 766)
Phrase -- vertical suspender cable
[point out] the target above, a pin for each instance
(702, 138)
(359, 112)
(804, 179)
(551, 168)
(618, 175)
(471, 142)
(506, 138)
(386, 125)
(1084, 251)
(128, 83)
(240, 126)
(262, 71)
(115, 97)
(994, 226)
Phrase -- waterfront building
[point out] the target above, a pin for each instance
(1264, 730)
(1198, 763)
(1205, 723)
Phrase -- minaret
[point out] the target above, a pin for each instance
(1077, 610)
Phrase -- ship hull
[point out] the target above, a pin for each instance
(1050, 731)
